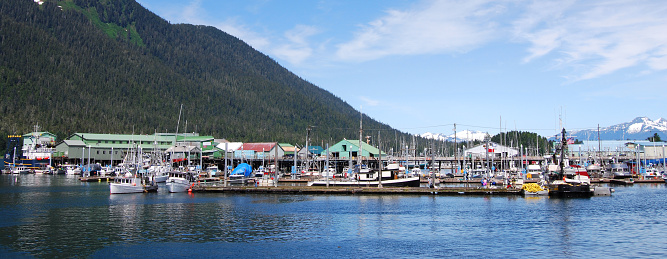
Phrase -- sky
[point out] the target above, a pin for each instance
(423, 66)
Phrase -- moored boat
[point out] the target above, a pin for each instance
(130, 183)
(180, 181)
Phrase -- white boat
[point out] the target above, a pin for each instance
(576, 175)
(180, 181)
(71, 169)
(21, 170)
(130, 183)
(160, 173)
(533, 172)
(619, 171)
(594, 170)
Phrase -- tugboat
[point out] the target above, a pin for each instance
(558, 184)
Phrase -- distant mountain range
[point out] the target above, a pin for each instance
(640, 128)
(465, 135)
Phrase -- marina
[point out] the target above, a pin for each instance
(61, 216)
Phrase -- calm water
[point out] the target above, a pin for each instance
(58, 216)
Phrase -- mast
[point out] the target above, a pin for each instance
(359, 159)
(563, 145)
(380, 161)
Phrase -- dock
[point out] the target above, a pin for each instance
(456, 191)
(96, 178)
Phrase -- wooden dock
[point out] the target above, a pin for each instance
(357, 191)
(96, 178)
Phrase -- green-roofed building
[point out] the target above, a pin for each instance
(348, 149)
(288, 148)
(103, 148)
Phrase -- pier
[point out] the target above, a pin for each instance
(356, 190)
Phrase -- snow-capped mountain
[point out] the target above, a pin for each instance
(640, 128)
(465, 135)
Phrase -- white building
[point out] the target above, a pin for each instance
(494, 150)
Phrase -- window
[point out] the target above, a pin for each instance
(98, 152)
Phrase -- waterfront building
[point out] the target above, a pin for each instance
(349, 149)
(312, 151)
(265, 150)
(289, 149)
(104, 148)
(494, 150)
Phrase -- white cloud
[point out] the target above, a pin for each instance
(431, 28)
(596, 38)
(298, 48)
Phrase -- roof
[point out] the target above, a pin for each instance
(183, 149)
(38, 134)
(195, 138)
(232, 146)
(287, 147)
(74, 143)
(123, 137)
(258, 147)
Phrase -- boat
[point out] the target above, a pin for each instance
(533, 189)
(179, 181)
(160, 173)
(369, 178)
(533, 171)
(131, 183)
(618, 171)
(577, 175)
(33, 154)
(594, 171)
(241, 174)
(132, 177)
(71, 169)
(558, 185)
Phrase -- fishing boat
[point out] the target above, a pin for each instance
(618, 171)
(130, 183)
(594, 170)
(558, 185)
(533, 171)
(132, 177)
(180, 181)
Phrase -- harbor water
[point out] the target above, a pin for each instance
(46, 216)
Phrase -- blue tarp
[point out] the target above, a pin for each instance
(243, 169)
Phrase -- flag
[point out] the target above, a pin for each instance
(570, 141)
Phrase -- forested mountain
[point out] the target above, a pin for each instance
(114, 67)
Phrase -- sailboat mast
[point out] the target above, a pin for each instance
(359, 160)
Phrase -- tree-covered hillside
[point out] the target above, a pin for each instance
(114, 67)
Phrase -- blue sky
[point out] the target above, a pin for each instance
(421, 66)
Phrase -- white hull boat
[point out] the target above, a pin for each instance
(180, 181)
(123, 185)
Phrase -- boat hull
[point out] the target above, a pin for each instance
(570, 191)
(178, 185)
(402, 182)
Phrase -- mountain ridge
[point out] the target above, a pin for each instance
(115, 67)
